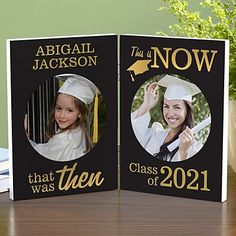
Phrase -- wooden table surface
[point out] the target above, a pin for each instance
(119, 213)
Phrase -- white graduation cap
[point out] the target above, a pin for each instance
(78, 86)
(178, 88)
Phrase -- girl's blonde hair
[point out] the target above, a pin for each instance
(82, 121)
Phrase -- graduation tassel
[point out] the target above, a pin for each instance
(95, 119)
(132, 77)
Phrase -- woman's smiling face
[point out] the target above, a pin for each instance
(174, 112)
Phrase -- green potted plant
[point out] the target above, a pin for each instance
(220, 23)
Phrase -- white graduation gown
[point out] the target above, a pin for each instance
(152, 138)
(64, 146)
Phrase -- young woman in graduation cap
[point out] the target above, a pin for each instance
(69, 114)
(178, 115)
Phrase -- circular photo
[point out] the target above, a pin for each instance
(65, 117)
(170, 118)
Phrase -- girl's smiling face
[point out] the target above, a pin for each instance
(174, 112)
(66, 113)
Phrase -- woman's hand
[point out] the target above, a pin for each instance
(151, 96)
(186, 140)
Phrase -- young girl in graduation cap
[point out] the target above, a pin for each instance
(69, 114)
(178, 115)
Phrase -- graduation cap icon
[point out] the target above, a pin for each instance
(138, 67)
